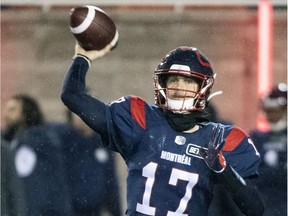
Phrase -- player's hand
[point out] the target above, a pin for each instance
(92, 54)
(213, 156)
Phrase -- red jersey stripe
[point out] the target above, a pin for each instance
(137, 106)
(233, 139)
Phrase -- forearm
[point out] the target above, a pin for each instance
(246, 196)
(74, 84)
(74, 96)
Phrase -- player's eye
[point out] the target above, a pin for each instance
(190, 80)
(172, 79)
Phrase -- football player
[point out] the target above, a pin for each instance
(37, 158)
(272, 145)
(174, 154)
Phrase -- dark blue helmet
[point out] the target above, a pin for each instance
(184, 61)
(277, 97)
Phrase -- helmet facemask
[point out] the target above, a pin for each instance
(187, 62)
(189, 103)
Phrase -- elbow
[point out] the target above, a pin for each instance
(71, 99)
(65, 96)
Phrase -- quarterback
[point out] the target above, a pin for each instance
(174, 154)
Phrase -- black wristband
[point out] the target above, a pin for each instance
(83, 56)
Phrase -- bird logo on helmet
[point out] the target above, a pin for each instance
(189, 62)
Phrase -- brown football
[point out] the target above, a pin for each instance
(92, 27)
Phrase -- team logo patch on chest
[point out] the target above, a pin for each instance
(194, 150)
(180, 140)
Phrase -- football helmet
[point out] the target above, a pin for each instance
(189, 62)
(277, 97)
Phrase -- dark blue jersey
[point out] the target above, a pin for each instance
(273, 148)
(272, 170)
(40, 165)
(166, 174)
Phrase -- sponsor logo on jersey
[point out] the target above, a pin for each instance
(183, 159)
(194, 150)
(180, 140)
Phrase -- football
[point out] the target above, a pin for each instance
(92, 27)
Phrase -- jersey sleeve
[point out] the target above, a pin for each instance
(240, 152)
(120, 124)
(126, 124)
(91, 110)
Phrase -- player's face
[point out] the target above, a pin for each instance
(181, 87)
(13, 113)
(275, 114)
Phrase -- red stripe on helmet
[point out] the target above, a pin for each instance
(137, 107)
(233, 139)
(206, 64)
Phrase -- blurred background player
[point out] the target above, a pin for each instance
(38, 158)
(272, 145)
(91, 171)
(13, 201)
